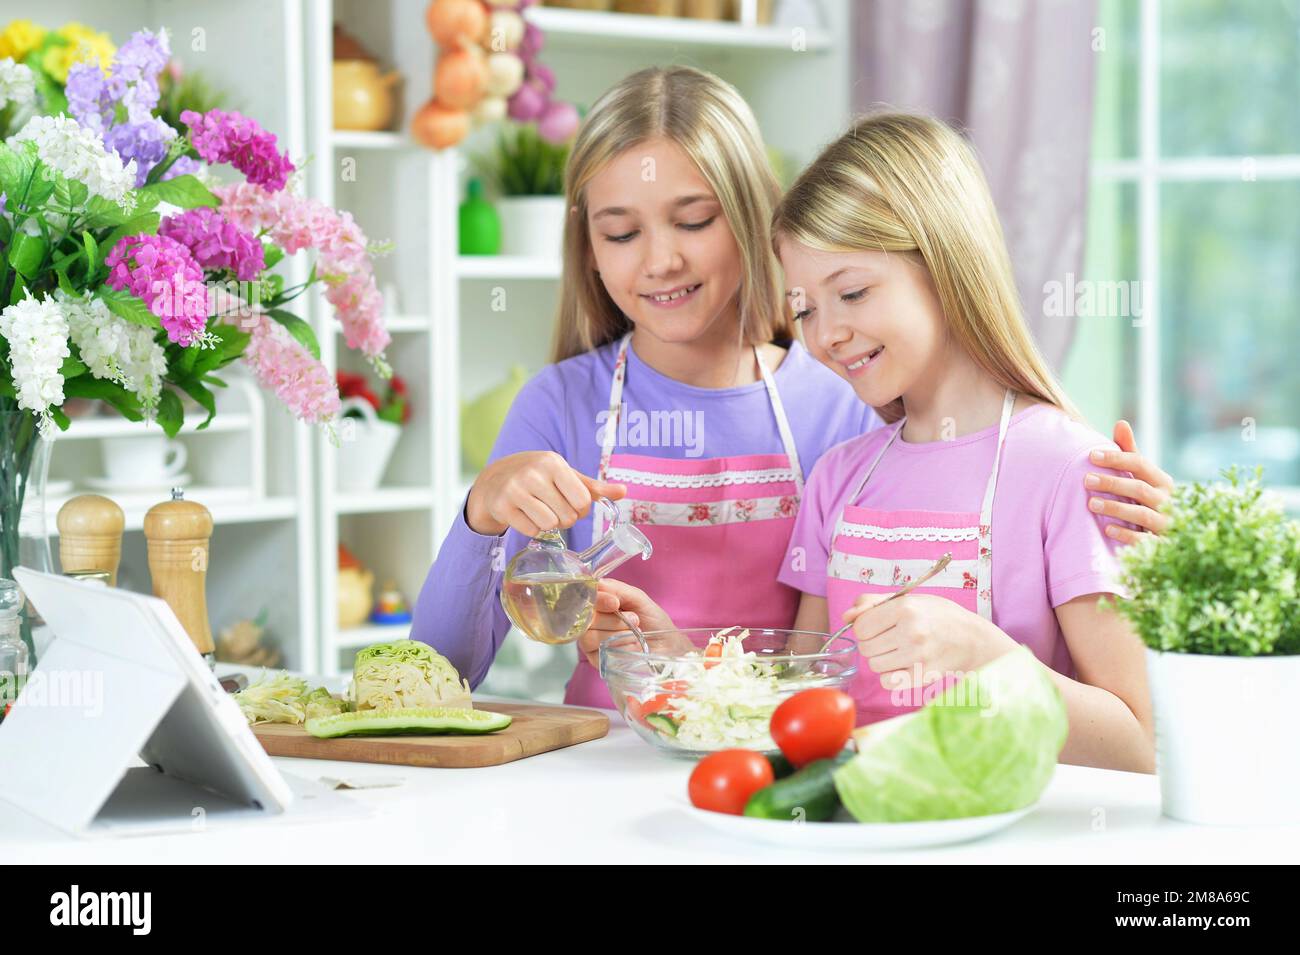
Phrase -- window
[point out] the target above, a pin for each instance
(1196, 196)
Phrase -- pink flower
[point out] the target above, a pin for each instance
(221, 137)
(216, 243)
(161, 272)
(282, 365)
(295, 223)
(698, 512)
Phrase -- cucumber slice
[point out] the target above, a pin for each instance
(430, 721)
(662, 723)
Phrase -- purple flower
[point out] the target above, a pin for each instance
(93, 99)
(161, 272)
(216, 243)
(146, 142)
(136, 66)
(221, 137)
(183, 166)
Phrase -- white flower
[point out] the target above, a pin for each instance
(37, 333)
(17, 85)
(115, 349)
(78, 153)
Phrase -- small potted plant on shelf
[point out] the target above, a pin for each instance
(1217, 604)
(528, 173)
(370, 429)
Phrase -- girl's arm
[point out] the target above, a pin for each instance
(812, 614)
(1109, 705)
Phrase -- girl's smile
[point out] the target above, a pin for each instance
(674, 297)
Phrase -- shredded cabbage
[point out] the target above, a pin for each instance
(725, 701)
(405, 674)
(281, 698)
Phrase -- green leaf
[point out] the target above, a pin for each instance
(72, 367)
(16, 168)
(64, 283)
(299, 329)
(184, 191)
(214, 380)
(20, 287)
(92, 252)
(101, 389)
(273, 254)
(146, 224)
(171, 414)
(195, 389)
(60, 419)
(26, 254)
(127, 306)
(42, 186)
(102, 214)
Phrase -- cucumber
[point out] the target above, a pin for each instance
(430, 721)
(781, 767)
(740, 712)
(663, 724)
(808, 794)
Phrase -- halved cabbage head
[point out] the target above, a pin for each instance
(405, 674)
(985, 745)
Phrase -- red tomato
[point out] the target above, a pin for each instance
(724, 781)
(814, 724)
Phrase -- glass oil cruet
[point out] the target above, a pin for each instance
(549, 592)
(13, 652)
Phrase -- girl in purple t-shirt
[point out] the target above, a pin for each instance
(901, 283)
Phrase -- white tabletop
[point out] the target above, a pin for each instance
(617, 800)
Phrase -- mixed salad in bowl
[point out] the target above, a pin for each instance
(703, 690)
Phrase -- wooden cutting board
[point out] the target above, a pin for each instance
(535, 729)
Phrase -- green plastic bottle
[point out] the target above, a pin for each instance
(479, 224)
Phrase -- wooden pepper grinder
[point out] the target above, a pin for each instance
(177, 532)
(90, 535)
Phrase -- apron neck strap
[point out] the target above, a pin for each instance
(616, 407)
(986, 509)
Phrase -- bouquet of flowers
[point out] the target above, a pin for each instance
(129, 276)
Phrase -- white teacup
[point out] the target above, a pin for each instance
(142, 458)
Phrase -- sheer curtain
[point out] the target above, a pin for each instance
(1017, 77)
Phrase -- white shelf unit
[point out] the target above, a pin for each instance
(273, 57)
(263, 554)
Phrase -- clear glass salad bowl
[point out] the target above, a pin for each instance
(705, 689)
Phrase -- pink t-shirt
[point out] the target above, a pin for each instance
(1048, 547)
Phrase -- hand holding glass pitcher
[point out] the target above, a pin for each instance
(549, 592)
(531, 492)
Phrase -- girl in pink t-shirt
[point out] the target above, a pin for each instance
(900, 282)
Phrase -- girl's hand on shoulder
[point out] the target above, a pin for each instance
(532, 491)
(919, 638)
(1145, 492)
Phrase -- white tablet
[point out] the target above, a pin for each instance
(122, 679)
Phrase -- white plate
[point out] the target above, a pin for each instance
(130, 487)
(859, 836)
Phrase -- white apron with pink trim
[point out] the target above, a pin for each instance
(720, 529)
(875, 551)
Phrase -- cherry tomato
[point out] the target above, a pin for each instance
(814, 724)
(724, 781)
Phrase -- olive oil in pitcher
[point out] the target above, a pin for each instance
(549, 592)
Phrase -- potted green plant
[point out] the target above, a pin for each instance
(528, 175)
(1216, 602)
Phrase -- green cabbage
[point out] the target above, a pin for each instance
(985, 745)
(404, 674)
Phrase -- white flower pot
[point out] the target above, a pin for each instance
(531, 225)
(1227, 749)
(365, 447)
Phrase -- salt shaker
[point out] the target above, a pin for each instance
(177, 533)
(90, 535)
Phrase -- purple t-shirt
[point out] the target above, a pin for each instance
(1048, 547)
(563, 409)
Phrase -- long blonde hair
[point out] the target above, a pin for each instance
(897, 182)
(715, 127)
